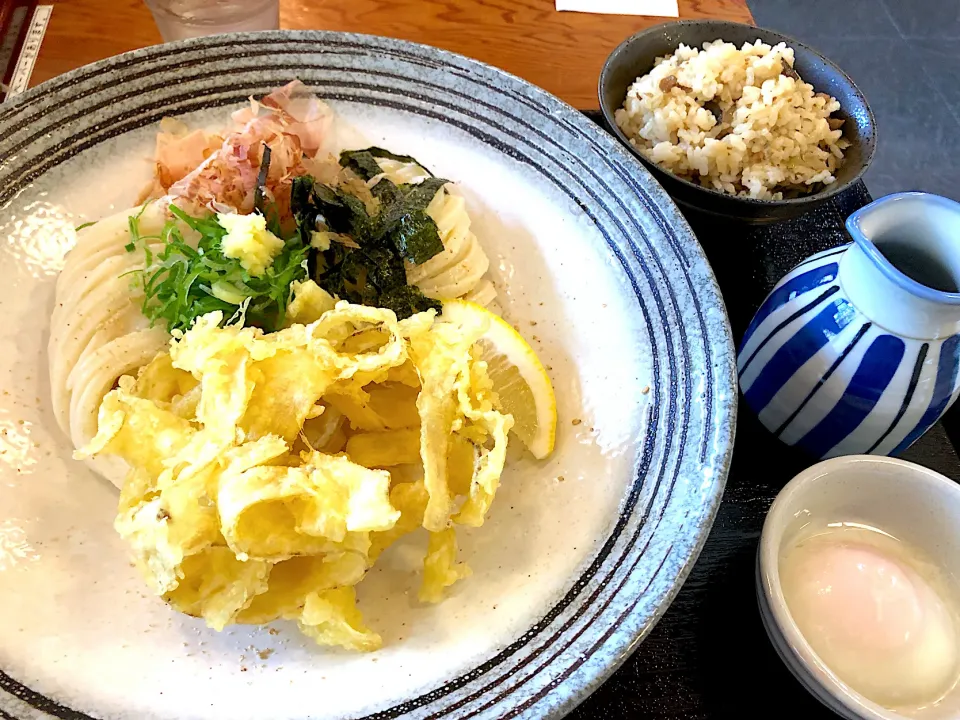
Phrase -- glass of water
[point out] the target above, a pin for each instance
(179, 19)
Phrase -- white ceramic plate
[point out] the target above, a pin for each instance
(581, 553)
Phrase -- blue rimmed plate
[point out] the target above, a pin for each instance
(582, 553)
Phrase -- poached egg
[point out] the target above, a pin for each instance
(876, 612)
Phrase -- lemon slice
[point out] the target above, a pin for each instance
(518, 376)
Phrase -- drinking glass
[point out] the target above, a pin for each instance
(179, 19)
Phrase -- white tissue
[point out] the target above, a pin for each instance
(660, 8)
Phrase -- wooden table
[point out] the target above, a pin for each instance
(561, 52)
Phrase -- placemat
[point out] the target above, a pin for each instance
(709, 656)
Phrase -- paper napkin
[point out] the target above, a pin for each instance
(660, 8)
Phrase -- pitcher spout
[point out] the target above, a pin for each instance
(903, 271)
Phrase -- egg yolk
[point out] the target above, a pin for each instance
(872, 619)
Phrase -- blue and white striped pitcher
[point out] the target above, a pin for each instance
(857, 349)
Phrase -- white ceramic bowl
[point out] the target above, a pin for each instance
(913, 503)
(584, 551)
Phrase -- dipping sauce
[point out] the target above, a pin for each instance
(879, 614)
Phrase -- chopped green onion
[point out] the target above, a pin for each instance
(181, 282)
